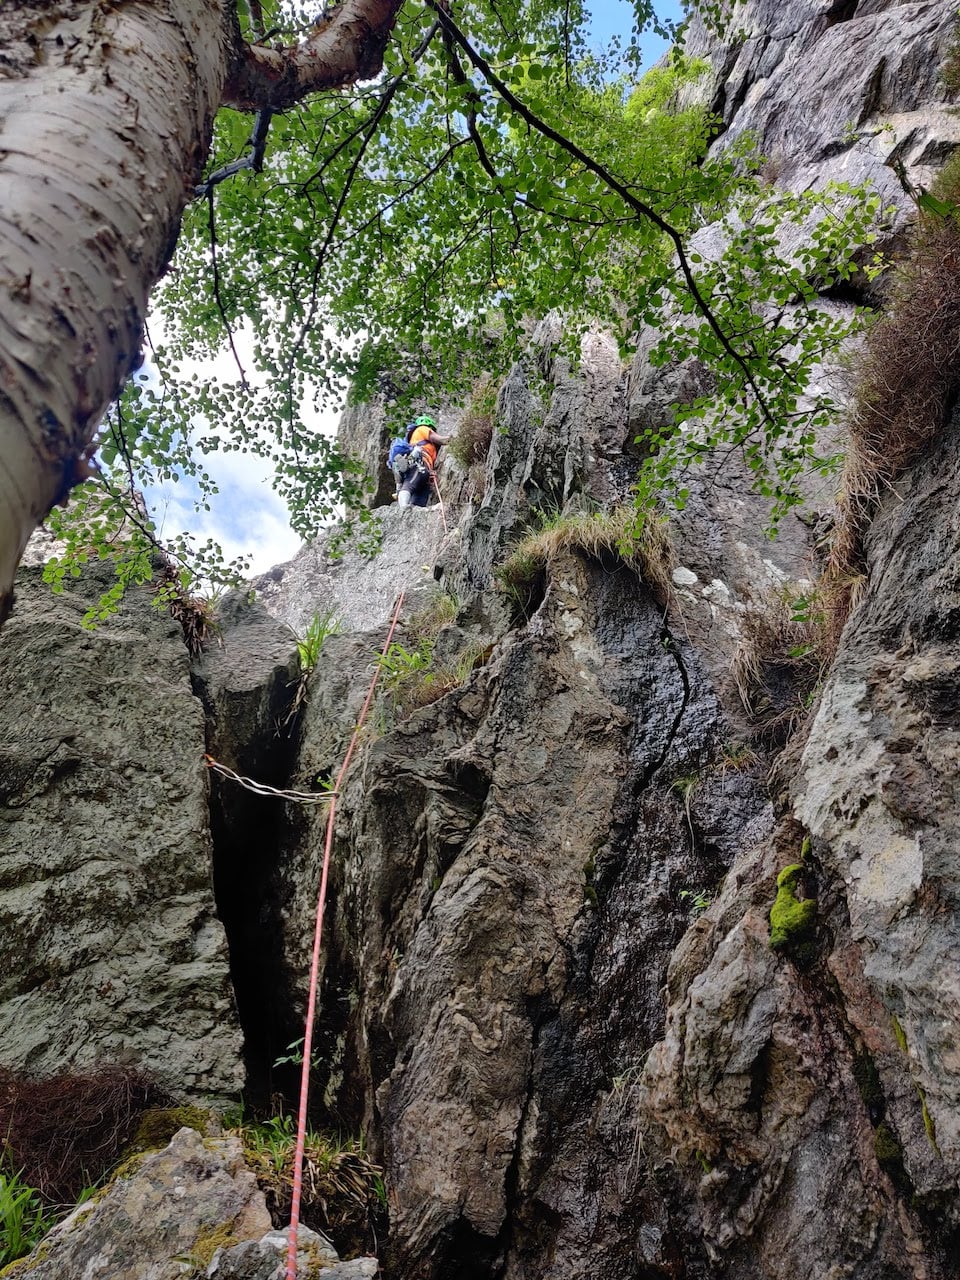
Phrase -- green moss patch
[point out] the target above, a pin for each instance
(158, 1126)
(792, 919)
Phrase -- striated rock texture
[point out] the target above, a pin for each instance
(110, 946)
(836, 91)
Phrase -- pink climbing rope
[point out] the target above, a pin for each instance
(291, 1271)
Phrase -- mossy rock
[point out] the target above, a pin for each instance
(886, 1145)
(158, 1126)
(209, 1241)
(20, 1265)
(792, 919)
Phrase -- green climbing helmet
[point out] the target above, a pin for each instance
(424, 421)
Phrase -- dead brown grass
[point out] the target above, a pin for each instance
(65, 1132)
(908, 384)
(471, 444)
(778, 667)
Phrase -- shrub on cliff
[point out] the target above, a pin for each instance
(64, 1132)
(908, 378)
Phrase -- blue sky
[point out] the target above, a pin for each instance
(610, 18)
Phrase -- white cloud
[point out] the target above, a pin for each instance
(247, 517)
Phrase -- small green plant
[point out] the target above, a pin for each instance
(23, 1219)
(696, 901)
(309, 646)
(409, 679)
(294, 1056)
(310, 643)
(737, 757)
(398, 664)
(685, 787)
(428, 622)
(269, 1142)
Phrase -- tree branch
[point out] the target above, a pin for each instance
(216, 289)
(609, 180)
(257, 141)
(346, 45)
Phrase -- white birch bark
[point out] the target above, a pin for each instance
(105, 118)
(106, 110)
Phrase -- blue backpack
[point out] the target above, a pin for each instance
(398, 459)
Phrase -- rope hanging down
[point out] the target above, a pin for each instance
(291, 1271)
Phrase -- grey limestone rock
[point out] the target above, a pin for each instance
(359, 590)
(835, 90)
(161, 1222)
(111, 948)
(265, 1259)
(877, 788)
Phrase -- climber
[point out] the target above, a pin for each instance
(398, 457)
(415, 485)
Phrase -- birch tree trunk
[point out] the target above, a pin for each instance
(106, 113)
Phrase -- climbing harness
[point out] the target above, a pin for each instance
(291, 1271)
(261, 788)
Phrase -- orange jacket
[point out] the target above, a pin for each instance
(421, 437)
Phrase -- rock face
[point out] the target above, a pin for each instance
(835, 92)
(164, 1221)
(551, 995)
(110, 943)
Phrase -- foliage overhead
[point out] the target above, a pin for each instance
(407, 231)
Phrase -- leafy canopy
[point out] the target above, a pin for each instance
(405, 232)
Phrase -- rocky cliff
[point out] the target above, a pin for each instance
(642, 950)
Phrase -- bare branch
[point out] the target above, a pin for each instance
(257, 141)
(640, 207)
(216, 290)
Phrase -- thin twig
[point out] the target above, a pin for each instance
(216, 290)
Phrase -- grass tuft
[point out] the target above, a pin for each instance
(779, 664)
(471, 444)
(908, 384)
(639, 540)
(342, 1188)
